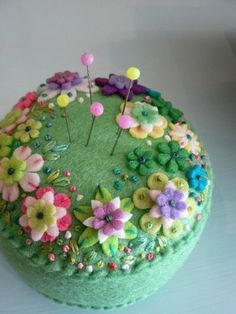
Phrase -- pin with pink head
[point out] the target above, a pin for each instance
(124, 122)
(96, 110)
(87, 59)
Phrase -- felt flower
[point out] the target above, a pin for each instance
(185, 137)
(142, 161)
(170, 204)
(19, 170)
(146, 120)
(42, 216)
(118, 84)
(26, 101)
(166, 109)
(108, 219)
(28, 130)
(5, 144)
(172, 156)
(197, 178)
(84, 86)
(12, 119)
(60, 83)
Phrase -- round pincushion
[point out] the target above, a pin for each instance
(86, 227)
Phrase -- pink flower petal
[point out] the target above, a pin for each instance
(48, 197)
(36, 236)
(99, 212)
(30, 181)
(108, 229)
(95, 204)
(29, 201)
(53, 231)
(34, 163)
(118, 214)
(98, 223)
(101, 236)
(117, 224)
(64, 223)
(126, 216)
(119, 233)
(41, 191)
(47, 238)
(22, 152)
(153, 194)
(61, 212)
(115, 202)
(23, 221)
(155, 212)
(62, 200)
(10, 193)
(89, 222)
(167, 222)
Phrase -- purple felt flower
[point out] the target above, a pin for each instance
(119, 84)
(64, 80)
(108, 219)
(170, 204)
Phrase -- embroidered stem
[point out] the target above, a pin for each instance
(67, 124)
(117, 138)
(90, 131)
(89, 84)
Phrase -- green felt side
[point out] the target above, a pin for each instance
(120, 290)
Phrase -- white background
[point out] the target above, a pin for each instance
(187, 50)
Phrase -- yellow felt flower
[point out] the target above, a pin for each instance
(5, 143)
(28, 130)
(146, 120)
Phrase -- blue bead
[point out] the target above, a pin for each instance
(47, 170)
(36, 144)
(118, 185)
(117, 171)
(48, 125)
(47, 137)
(133, 179)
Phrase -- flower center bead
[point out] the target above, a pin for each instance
(108, 218)
(142, 160)
(39, 215)
(11, 171)
(144, 113)
(172, 203)
(28, 128)
(189, 137)
(174, 155)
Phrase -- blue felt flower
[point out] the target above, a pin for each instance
(197, 178)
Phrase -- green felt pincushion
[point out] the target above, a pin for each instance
(90, 229)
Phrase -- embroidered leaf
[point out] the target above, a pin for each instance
(131, 231)
(88, 238)
(127, 204)
(150, 246)
(110, 246)
(61, 182)
(138, 242)
(90, 257)
(53, 176)
(49, 146)
(103, 195)
(52, 156)
(83, 212)
(60, 148)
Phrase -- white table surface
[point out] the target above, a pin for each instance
(184, 48)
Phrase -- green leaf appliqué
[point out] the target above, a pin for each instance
(103, 195)
(127, 204)
(88, 238)
(83, 212)
(110, 246)
(131, 231)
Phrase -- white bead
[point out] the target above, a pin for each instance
(79, 197)
(68, 235)
(89, 268)
(125, 267)
(149, 142)
(81, 100)
(51, 105)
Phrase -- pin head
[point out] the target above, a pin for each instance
(63, 100)
(96, 109)
(125, 121)
(87, 59)
(133, 73)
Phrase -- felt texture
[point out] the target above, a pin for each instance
(88, 292)
(91, 167)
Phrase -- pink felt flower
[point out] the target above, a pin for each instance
(13, 119)
(46, 215)
(108, 219)
(26, 101)
(19, 170)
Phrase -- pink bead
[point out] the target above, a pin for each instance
(125, 121)
(72, 188)
(127, 250)
(66, 248)
(80, 266)
(28, 241)
(67, 173)
(149, 256)
(96, 109)
(87, 58)
(198, 217)
(51, 257)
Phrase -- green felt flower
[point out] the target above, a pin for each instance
(142, 161)
(172, 156)
(166, 109)
(5, 143)
(12, 170)
(144, 113)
